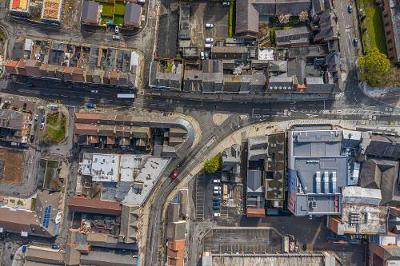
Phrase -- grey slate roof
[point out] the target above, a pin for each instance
(248, 12)
(254, 181)
(133, 13)
(297, 35)
(90, 11)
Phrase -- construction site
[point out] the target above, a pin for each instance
(11, 166)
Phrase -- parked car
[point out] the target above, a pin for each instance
(116, 37)
(216, 207)
(217, 193)
(208, 45)
(217, 204)
(355, 42)
(209, 40)
(217, 188)
(209, 25)
(90, 105)
(174, 175)
(226, 3)
(116, 30)
(217, 214)
(217, 181)
(202, 56)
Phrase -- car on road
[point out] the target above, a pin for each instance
(349, 9)
(94, 91)
(90, 105)
(209, 25)
(116, 30)
(174, 175)
(355, 42)
(209, 40)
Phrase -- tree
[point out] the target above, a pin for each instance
(374, 67)
(303, 16)
(212, 165)
(284, 18)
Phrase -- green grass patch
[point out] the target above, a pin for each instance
(118, 20)
(169, 67)
(231, 18)
(119, 9)
(374, 36)
(55, 127)
(107, 10)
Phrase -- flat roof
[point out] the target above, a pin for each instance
(145, 180)
(111, 167)
(51, 9)
(19, 5)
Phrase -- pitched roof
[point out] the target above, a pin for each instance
(81, 204)
(254, 180)
(133, 13)
(90, 11)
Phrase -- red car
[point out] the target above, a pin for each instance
(174, 175)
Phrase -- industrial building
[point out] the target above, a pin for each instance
(318, 170)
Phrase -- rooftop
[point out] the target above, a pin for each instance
(317, 171)
(360, 219)
(145, 180)
(81, 204)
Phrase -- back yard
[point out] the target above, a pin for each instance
(373, 33)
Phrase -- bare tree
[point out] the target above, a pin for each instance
(303, 16)
(284, 18)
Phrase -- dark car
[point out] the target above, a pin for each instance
(90, 105)
(174, 175)
(216, 207)
(349, 9)
(355, 42)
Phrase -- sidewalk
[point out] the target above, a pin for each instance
(386, 95)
